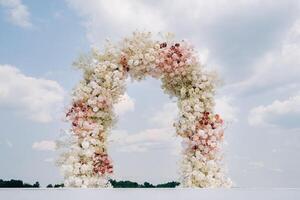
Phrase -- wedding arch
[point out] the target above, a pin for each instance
(85, 161)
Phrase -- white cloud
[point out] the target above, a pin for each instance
(44, 145)
(267, 115)
(191, 17)
(278, 67)
(148, 135)
(257, 164)
(121, 15)
(49, 160)
(276, 170)
(17, 13)
(36, 98)
(146, 140)
(166, 116)
(126, 104)
(8, 143)
(225, 108)
(152, 138)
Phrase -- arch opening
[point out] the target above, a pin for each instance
(143, 145)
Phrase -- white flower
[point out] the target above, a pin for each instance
(88, 152)
(84, 168)
(77, 182)
(67, 169)
(101, 182)
(95, 109)
(136, 63)
(71, 159)
(85, 144)
(201, 132)
(130, 62)
(67, 183)
(198, 108)
(113, 66)
(93, 84)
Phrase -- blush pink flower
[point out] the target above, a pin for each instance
(102, 164)
(174, 58)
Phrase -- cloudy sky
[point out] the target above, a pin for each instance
(255, 46)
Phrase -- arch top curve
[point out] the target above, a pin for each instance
(85, 162)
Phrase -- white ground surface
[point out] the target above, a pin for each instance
(150, 194)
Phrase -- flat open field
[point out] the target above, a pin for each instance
(151, 194)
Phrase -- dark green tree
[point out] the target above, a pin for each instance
(59, 185)
(168, 185)
(16, 184)
(36, 185)
(148, 185)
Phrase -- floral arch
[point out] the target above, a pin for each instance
(85, 162)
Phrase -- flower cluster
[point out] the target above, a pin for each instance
(174, 59)
(102, 164)
(202, 154)
(85, 161)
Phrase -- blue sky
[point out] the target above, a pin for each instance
(254, 45)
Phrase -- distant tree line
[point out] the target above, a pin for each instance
(55, 186)
(116, 184)
(130, 184)
(17, 184)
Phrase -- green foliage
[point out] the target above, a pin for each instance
(124, 184)
(148, 185)
(59, 185)
(55, 186)
(36, 185)
(130, 184)
(17, 184)
(172, 184)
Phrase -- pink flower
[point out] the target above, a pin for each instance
(102, 164)
(174, 58)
